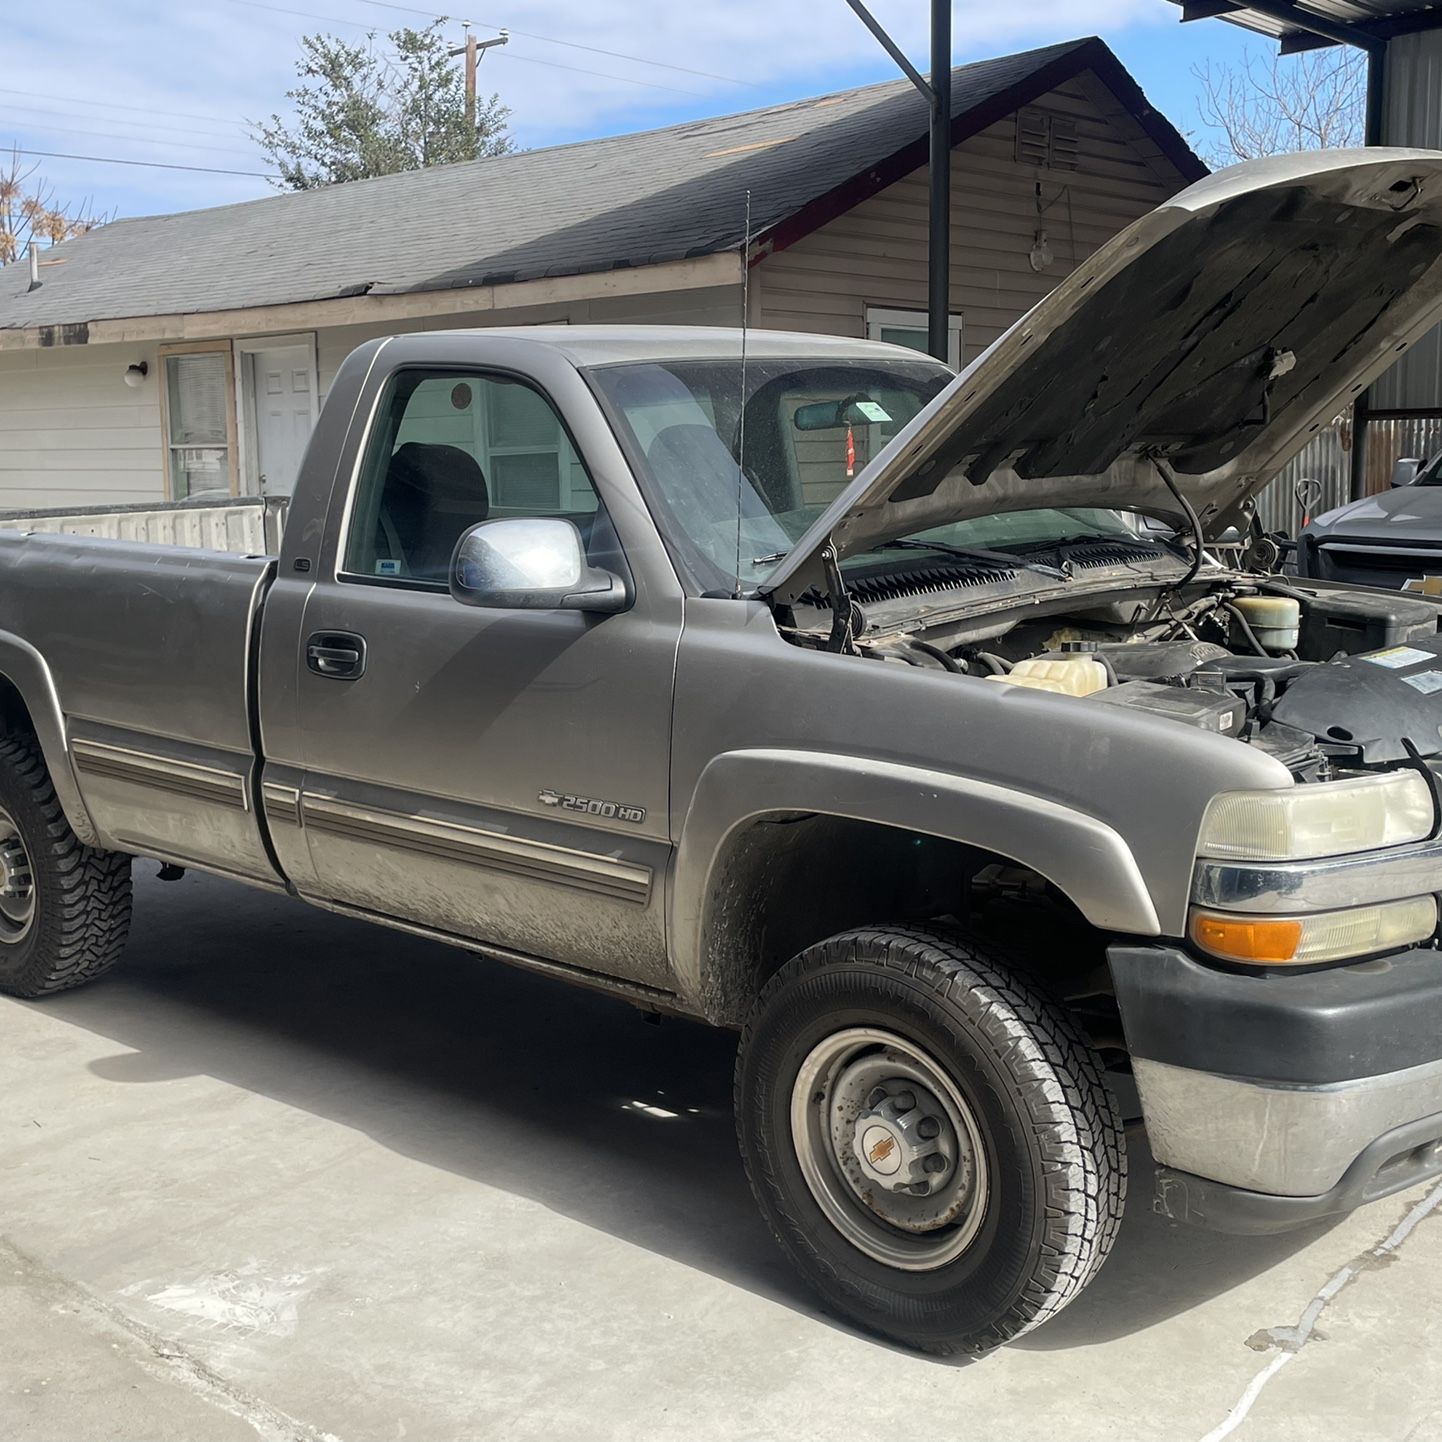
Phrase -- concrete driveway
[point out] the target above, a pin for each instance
(288, 1176)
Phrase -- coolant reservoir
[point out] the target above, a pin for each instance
(1066, 676)
(1276, 621)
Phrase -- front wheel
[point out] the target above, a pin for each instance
(929, 1138)
(64, 906)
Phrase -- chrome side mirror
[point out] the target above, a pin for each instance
(531, 563)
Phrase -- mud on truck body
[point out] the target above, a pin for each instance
(960, 796)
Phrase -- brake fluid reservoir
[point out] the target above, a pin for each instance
(1276, 621)
(1066, 676)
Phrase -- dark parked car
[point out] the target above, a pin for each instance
(1393, 539)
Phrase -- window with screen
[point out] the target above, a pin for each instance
(449, 450)
(197, 424)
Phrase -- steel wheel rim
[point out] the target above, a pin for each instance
(862, 1159)
(17, 883)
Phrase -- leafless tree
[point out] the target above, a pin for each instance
(29, 211)
(1312, 101)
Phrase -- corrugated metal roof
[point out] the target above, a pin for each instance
(1268, 20)
(627, 200)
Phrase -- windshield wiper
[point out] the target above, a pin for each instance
(972, 553)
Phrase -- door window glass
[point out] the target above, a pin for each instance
(450, 450)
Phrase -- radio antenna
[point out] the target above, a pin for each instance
(741, 426)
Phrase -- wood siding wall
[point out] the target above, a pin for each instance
(875, 254)
(73, 433)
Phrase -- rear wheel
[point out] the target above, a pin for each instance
(64, 906)
(929, 1137)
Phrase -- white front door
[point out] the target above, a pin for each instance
(282, 401)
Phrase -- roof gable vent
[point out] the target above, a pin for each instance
(1046, 140)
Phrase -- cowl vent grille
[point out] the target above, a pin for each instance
(1109, 553)
(925, 580)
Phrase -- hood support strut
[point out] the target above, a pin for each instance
(845, 613)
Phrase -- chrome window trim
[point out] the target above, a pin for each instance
(1325, 884)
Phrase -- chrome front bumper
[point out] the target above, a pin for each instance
(1286, 1140)
(1271, 1100)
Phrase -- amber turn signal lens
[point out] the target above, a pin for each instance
(1318, 936)
(1247, 938)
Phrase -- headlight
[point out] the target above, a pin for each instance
(1318, 937)
(1331, 818)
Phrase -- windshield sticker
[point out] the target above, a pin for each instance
(1425, 681)
(1394, 658)
(872, 411)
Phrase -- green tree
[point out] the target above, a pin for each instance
(362, 111)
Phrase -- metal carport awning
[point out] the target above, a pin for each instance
(1319, 22)
(1404, 107)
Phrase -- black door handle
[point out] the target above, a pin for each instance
(341, 655)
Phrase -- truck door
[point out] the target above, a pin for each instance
(491, 774)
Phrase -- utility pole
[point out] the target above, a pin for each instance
(473, 50)
(937, 93)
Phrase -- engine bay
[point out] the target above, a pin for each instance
(1325, 681)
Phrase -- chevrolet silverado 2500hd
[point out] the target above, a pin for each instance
(946, 786)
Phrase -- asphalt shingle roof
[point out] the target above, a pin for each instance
(626, 200)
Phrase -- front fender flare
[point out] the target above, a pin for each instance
(27, 670)
(1085, 858)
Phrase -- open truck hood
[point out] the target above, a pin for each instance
(1219, 332)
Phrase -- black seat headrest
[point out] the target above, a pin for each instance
(433, 494)
(450, 479)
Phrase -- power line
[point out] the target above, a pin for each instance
(488, 25)
(148, 164)
(303, 14)
(114, 105)
(571, 44)
(579, 70)
(133, 139)
(31, 110)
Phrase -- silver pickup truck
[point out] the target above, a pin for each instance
(797, 685)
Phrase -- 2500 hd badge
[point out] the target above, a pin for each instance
(589, 806)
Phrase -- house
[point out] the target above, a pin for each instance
(178, 355)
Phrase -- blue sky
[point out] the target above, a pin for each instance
(174, 82)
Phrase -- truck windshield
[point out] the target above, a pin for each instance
(810, 426)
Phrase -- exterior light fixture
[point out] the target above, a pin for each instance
(135, 374)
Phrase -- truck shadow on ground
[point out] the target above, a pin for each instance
(547, 1091)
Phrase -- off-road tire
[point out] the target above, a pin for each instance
(1049, 1127)
(82, 894)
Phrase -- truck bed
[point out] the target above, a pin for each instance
(152, 648)
(242, 525)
